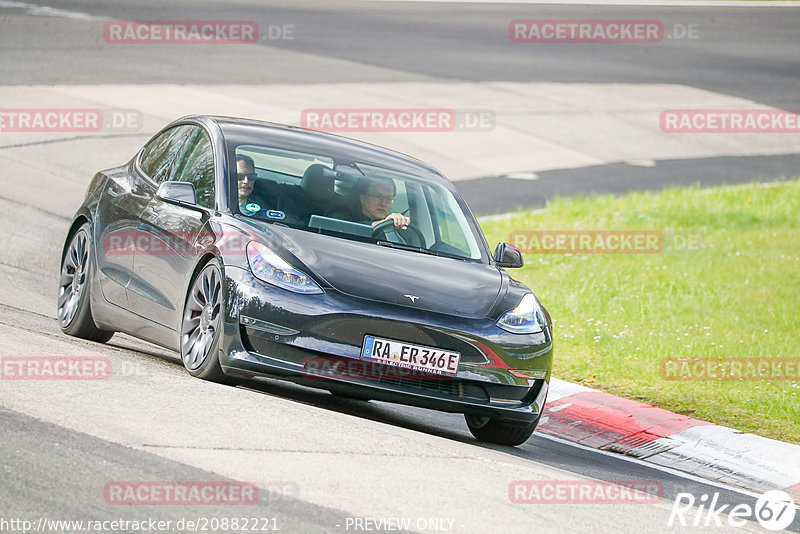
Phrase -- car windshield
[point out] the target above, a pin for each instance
(319, 194)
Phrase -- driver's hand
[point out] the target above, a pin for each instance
(399, 220)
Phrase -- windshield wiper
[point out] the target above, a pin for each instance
(418, 249)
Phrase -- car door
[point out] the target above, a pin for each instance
(169, 233)
(126, 193)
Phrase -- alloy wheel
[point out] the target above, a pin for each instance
(201, 318)
(73, 278)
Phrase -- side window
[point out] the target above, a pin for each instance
(196, 166)
(400, 203)
(450, 221)
(159, 154)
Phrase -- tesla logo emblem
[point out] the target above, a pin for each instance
(412, 297)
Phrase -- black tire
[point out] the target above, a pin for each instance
(201, 325)
(74, 308)
(350, 395)
(500, 432)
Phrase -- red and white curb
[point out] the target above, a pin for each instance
(604, 421)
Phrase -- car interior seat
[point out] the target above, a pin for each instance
(312, 196)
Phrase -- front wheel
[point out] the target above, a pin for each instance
(74, 309)
(501, 432)
(201, 325)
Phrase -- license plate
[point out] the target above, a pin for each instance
(409, 356)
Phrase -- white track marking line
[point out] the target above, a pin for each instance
(636, 3)
(46, 11)
(664, 469)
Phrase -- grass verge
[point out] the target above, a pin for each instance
(725, 286)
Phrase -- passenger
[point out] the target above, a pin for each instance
(251, 203)
(372, 203)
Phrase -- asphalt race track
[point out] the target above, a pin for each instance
(322, 463)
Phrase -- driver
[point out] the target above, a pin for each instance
(374, 197)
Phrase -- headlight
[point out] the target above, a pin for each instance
(269, 267)
(526, 318)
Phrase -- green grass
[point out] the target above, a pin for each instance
(737, 295)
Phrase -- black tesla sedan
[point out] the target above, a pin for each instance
(258, 249)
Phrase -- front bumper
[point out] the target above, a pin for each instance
(316, 340)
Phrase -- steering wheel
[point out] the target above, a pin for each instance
(388, 224)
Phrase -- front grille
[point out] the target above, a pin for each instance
(456, 388)
(449, 387)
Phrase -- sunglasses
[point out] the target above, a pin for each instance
(381, 198)
(249, 176)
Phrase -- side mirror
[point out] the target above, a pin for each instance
(182, 192)
(507, 256)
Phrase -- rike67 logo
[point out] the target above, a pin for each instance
(774, 510)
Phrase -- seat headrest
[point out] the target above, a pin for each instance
(318, 182)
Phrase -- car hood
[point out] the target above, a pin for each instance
(393, 276)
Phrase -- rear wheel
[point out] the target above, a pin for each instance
(498, 431)
(201, 325)
(74, 308)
